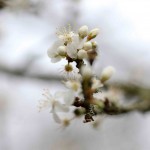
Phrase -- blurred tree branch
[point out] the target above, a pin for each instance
(23, 73)
(142, 94)
(140, 105)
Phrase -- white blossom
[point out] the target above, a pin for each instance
(72, 48)
(70, 71)
(66, 35)
(52, 103)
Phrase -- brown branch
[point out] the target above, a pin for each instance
(23, 73)
(130, 90)
(112, 109)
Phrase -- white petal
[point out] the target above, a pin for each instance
(51, 52)
(44, 104)
(60, 107)
(69, 98)
(56, 118)
(72, 50)
(86, 71)
(55, 59)
(58, 94)
(78, 42)
(99, 96)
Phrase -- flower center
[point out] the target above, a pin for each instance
(65, 34)
(68, 68)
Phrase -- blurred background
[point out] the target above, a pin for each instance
(27, 30)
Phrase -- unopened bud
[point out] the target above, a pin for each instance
(83, 31)
(94, 45)
(87, 46)
(82, 54)
(86, 71)
(93, 33)
(62, 50)
(107, 73)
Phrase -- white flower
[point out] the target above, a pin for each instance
(70, 71)
(72, 48)
(52, 103)
(67, 96)
(107, 73)
(53, 52)
(83, 31)
(66, 35)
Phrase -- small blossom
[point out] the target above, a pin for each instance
(52, 103)
(70, 71)
(107, 73)
(72, 48)
(66, 35)
(83, 31)
(68, 97)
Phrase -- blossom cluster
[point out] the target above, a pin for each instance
(79, 48)
(72, 45)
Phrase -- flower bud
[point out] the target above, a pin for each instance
(62, 50)
(94, 45)
(86, 71)
(87, 46)
(83, 31)
(82, 54)
(96, 84)
(93, 33)
(107, 73)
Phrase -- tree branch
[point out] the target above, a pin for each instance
(142, 94)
